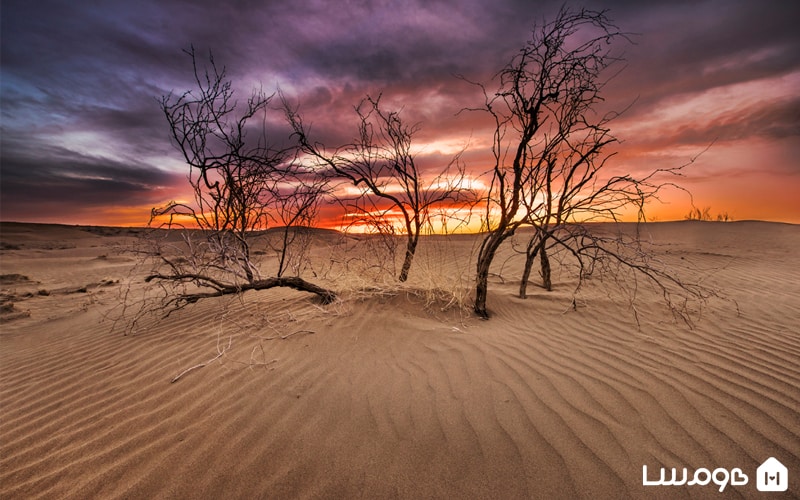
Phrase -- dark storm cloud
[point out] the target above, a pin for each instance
(95, 69)
(90, 181)
(50, 176)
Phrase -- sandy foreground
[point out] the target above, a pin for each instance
(386, 395)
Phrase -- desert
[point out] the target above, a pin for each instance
(397, 391)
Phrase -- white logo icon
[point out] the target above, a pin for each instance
(772, 476)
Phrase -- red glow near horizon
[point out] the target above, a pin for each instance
(739, 196)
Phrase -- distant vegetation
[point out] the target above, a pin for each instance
(705, 214)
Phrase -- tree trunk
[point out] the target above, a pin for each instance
(533, 248)
(545, 261)
(411, 248)
(296, 282)
(481, 286)
(284, 246)
(485, 258)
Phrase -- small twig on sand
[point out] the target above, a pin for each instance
(573, 305)
(284, 337)
(195, 367)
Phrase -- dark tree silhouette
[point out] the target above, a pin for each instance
(550, 147)
(242, 183)
(381, 163)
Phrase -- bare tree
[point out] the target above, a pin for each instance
(550, 148)
(241, 185)
(381, 163)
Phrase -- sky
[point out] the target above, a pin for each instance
(83, 140)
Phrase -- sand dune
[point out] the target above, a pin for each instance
(385, 396)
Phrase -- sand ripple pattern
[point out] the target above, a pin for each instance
(381, 398)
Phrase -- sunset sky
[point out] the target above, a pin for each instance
(83, 140)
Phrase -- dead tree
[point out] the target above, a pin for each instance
(557, 62)
(537, 246)
(241, 183)
(550, 147)
(380, 162)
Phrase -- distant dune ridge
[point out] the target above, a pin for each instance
(396, 392)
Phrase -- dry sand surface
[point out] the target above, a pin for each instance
(386, 395)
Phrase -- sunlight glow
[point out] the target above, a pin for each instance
(444, 147)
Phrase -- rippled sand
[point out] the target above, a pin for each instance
(386, 395)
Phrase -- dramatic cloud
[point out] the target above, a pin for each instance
(83, 139)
